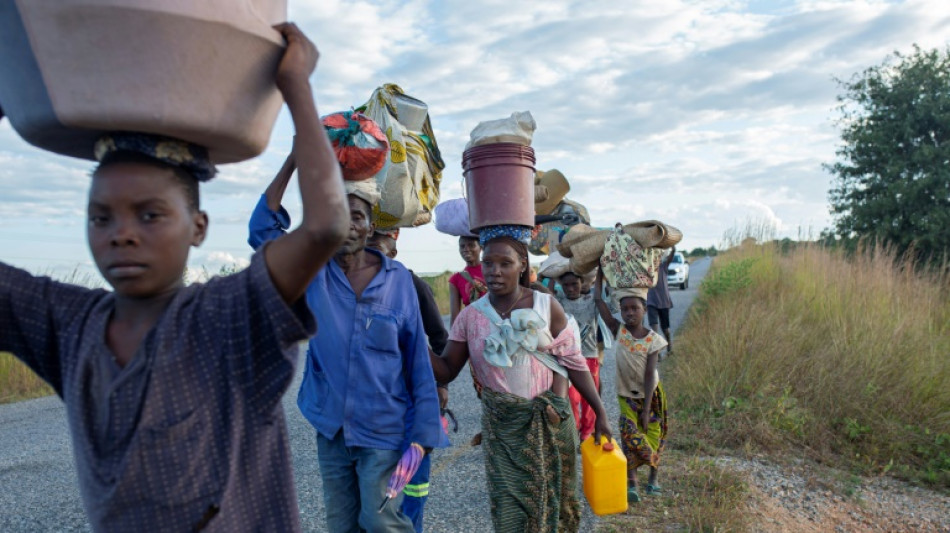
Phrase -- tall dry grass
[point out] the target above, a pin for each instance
(440, 289)
(845, 358)
(17, 382)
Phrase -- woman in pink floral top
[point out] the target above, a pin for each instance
(516, 340)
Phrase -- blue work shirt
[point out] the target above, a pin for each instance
(368, 369)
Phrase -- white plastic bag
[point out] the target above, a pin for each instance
(554, 266)
(518, 128)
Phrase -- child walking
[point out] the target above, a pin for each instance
(643, 421)
(582, 307)
(173, 393)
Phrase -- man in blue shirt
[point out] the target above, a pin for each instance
(416, 492)
(368, 386)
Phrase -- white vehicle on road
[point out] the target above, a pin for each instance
(678, 273)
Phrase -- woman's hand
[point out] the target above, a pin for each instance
(645, 419)
(443, 396)
(294, 259)
(299, 60)
(601, 428)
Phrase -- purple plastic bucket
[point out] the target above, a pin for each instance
(499, 184)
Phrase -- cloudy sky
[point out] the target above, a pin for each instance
(703, 114)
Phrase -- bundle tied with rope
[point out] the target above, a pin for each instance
(629, 255)
(360, 145)
(410, 179)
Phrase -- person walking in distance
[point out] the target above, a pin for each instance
(659, 303)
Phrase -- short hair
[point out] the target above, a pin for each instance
(188, 183)
(467, 238)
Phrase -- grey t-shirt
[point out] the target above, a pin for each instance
(191, 431)
(584, 311)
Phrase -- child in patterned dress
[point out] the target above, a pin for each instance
(643, 421)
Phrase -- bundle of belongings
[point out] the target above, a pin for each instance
(551, 188)
(499, 179)
(360, 145)
(629, 255)
(555, 266)
(409, 180)
(451, 218)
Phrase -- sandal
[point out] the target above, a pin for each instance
(632, 495)
(654, 489)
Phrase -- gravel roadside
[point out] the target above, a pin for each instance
(799, 496)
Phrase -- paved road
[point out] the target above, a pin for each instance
(38, 490)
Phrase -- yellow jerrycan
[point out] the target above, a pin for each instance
(605, 476)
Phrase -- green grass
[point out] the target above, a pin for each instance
(805, 350)
(440, 289)
(698, 495)
(17, 382)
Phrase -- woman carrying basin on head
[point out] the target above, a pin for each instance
(517, 340)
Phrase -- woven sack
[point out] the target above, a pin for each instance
(575, 234)
(589, 249)
(583, 242)
(583, 268)
(654, 234)
(626, 264)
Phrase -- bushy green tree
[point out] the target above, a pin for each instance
(892, 174)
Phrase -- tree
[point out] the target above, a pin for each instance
(892, 175)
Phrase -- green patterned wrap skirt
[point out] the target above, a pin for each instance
(531, 463)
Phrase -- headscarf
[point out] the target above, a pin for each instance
(180, 154)
(521, 234)
(517, 236)
(365, 190)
